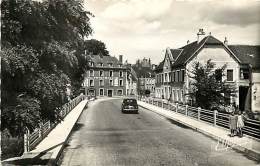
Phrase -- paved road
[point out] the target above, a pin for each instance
(105, 136)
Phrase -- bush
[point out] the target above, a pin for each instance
(11, 146)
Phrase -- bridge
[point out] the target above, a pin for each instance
(102, 119)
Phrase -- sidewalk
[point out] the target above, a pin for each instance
(249, 146)
(48, 151)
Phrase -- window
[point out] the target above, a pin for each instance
(218, 75)
(110, 82)
(120, 65)
(110, 64)
(91, 82)
(120, 74)
(165, 77)
(182, 75)
(101, 92)
(173, 76)
(101, 82)
(101, 64)
(91, 73)
(101, 73)
(229, 75)
(162, 78)
(244, 73)
(120, 82)
(119, 92)
(110, 73)
(177, 76)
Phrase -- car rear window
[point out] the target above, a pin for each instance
(130, 101)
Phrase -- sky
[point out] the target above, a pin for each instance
(145, 28)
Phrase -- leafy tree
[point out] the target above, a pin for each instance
(23, 112)
(41, 50)
(96, 47)
(207, 88)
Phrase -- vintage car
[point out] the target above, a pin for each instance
(129, 105)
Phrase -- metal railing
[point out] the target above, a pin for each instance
(31, 140)
(215, 118)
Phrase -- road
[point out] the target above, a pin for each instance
(105, 136)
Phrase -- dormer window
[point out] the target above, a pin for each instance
(110, 64)
(120, 65)
(101, 64)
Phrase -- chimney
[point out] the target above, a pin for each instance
(121, 58)
(200, 35)
(226, 41)
(188, 42)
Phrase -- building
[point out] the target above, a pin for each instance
(131, 83)
(249, 73)
(105, 76)
(172, 81)
(145, 75)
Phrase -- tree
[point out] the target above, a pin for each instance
(207, 88)
(40, 54)
(96, 47)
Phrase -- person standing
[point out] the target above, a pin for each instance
(240, 124)
(232, 124)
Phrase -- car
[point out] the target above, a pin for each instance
(129, 105)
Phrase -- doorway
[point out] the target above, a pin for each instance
(243, 97)
(109, 93)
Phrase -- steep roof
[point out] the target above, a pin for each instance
(190, 49)
(247, 54)
(159, 67)
(176, 52)
(106, 60)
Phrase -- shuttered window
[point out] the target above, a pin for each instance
(229, 75)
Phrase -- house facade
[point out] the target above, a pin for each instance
(173, 82)
(131, 83)
(105, 76)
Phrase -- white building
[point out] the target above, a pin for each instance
(242, 69)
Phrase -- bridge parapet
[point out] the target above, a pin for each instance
(212, 117)
(31, 140)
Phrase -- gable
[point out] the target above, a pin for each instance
(216, 54)
(194, 48)
(167, 61)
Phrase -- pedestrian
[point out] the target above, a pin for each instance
(230, 108)
(232, 124)
(240, 124)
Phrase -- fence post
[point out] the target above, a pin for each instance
(26, 140)
(215, 117)
(199, 109)
(162, 103)
(186, 110)
(177, 105)
(40, 130)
